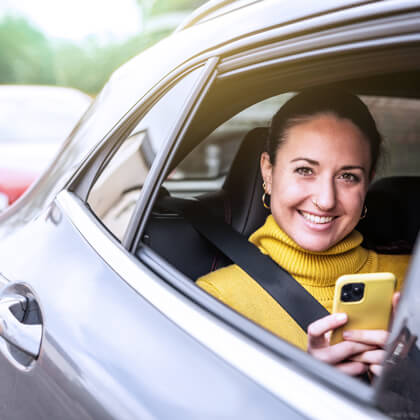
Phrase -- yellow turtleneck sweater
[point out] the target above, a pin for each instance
(317, 272)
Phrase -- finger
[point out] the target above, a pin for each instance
(395, 300)
(318, 329)
(373, 357)
(376, 369)
(372, 337)
(352, 368)
(340, 352)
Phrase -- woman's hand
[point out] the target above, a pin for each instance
(338, 355)
(372, 358)
(377, 338)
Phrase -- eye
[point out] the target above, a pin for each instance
(304, 170)
(349, 177)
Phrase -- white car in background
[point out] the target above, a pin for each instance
(34, 122)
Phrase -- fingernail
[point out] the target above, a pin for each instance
(340, 317)
(346, 334)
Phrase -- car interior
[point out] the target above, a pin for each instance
(216, 167)
(238, 201)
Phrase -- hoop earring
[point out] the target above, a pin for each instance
(364, 212)
(264, 197)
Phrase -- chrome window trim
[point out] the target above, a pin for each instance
(243, 65)
(240, 351)
(159, 168)
(325, 41)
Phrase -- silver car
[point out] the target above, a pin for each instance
(100, 317)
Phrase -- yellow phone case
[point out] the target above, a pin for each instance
(373, 311)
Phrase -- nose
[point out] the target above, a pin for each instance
(325, 196)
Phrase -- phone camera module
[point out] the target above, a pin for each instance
(352, 292)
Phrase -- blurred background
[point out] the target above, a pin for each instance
(55, 56)
(79, 43)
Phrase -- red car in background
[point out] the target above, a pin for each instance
(34, 122)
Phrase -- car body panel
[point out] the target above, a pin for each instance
(89, 316)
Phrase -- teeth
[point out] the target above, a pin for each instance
(317, 219)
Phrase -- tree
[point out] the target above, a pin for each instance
(26, 56)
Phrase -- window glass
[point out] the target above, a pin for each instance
(205, 168)
(398, 122)
(115, 192)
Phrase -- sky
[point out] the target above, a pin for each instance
(78, 19)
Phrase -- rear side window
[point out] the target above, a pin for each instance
(205, 168)
(116, 190)
(398, 122)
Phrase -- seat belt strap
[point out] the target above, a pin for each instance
(275, 280)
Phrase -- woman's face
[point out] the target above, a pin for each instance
(319, 181)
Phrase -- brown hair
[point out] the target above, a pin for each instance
(320, 101)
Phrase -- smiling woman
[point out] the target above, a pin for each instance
(320, 157)
(322, 153)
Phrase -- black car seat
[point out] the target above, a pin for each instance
(393, 218)
(238, 203)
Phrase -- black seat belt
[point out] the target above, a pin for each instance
(275, 280)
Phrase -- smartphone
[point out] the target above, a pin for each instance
(367, 301)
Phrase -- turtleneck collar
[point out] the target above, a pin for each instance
(311, 268)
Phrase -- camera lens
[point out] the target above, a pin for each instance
(358, 290)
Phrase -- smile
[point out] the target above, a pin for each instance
(316, 219)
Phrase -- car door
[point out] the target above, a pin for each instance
(79, 341)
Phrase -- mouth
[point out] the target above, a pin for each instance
(318, 220)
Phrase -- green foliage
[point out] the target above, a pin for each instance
(26, 56)
(88, 67)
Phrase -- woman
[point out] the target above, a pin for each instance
(321, 155)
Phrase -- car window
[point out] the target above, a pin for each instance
(200, 176)
(116, 190)
(398, 122)
(204, 169)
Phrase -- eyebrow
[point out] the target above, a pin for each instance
(311, 161)
(315, 162)
(353, 167)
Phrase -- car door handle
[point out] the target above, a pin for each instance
(26, 337)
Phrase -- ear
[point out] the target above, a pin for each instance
(266, 171)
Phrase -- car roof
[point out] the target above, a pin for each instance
(215, 8)
(243, 23)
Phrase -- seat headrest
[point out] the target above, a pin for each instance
(243, 184)
(392, 222)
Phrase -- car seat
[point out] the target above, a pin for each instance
(238, 203)
(392, 222)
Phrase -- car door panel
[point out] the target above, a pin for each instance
(101, 338)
